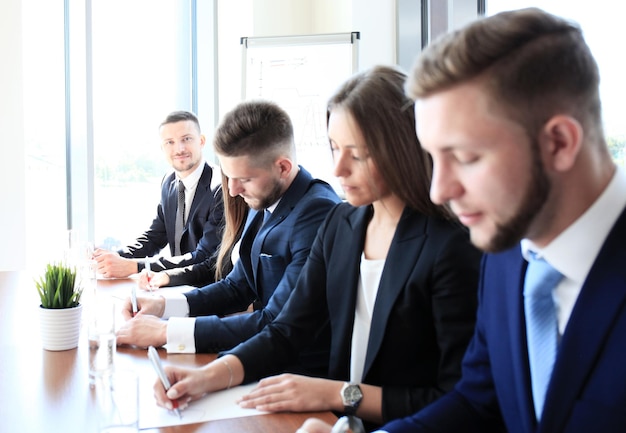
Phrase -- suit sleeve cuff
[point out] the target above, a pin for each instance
(180, 335)
(175, 305)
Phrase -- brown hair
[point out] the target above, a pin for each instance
(533, 64)
(180, 116)
(235, 213)
(377, 102)
(259, 129)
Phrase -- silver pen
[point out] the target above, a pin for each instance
(133, 298)
(148, 274)
(156, 363)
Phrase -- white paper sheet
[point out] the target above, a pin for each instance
(215, 406)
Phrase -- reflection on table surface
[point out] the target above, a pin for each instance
(46, 391)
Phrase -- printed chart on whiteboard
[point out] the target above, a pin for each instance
(300, 73)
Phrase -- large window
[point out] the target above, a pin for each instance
(142, 70)
(600, 21)
(44, 128)
(99, 78)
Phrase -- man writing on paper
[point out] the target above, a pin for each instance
(256, 150)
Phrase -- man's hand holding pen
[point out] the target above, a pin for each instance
(157, 279)
(145, 328)
(154, 305)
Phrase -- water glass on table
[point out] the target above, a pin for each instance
(101, 335)
(117, 397)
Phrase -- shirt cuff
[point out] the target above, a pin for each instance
(175, 305)
(180, 335)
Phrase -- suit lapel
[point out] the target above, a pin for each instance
(344, 275)
(249, 261)
(399, 264)
(288, 201)
(601, 298)
(203, 188)
(516, 323)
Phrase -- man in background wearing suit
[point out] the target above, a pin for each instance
(256, 150)
(202, 215)
(509, 109)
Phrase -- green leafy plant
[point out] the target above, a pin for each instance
(57, 288)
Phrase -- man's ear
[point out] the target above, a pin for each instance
(561, 141)
(284, 166)
(202, 140)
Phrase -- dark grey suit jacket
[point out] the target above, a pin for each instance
(202, 234)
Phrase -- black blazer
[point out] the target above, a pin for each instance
(423, 317)
(202, 233)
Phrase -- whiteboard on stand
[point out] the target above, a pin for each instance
(300, 73)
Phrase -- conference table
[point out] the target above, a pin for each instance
(47, 391)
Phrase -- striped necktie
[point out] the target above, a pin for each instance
(180, 218)
(541, 325)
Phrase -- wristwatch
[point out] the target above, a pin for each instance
(351, 395)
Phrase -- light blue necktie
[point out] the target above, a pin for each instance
(541, 325)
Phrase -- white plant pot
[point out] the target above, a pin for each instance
(60, 327)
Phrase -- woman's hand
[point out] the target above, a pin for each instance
(192, 383)
(187, 384)
(294, 393)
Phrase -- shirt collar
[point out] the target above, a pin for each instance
(590, 230)
(193, 178)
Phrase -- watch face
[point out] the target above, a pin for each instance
(352, 394)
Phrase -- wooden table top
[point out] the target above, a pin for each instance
(49, 391)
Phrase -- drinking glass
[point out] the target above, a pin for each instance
(101, 335)
(118, 402)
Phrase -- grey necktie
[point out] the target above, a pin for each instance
(180, 218)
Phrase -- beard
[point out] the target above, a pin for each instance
(274, 193)
(535, 195)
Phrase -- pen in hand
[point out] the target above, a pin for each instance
(133, 298)
(148, 274)
(156, 363)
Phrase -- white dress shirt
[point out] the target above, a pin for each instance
(574, 251)
(181, 327)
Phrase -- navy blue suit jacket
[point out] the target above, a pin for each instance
(202, 234)
(422, 321)
(267, 269)
(587, 391)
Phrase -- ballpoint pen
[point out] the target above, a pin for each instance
(148, 276)
(133, 298)
(156, 363)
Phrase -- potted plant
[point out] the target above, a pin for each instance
(60, 309)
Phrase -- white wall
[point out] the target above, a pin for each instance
(12, 163)
(376, 20)
(254, 18)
